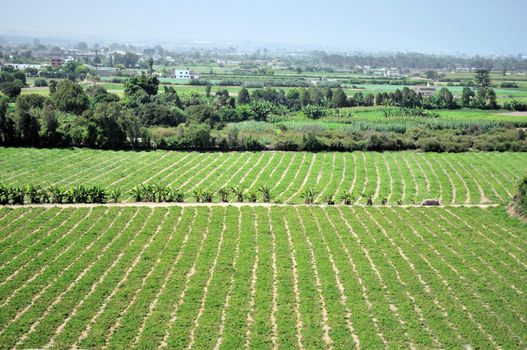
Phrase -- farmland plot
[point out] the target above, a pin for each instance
(258, 277)
(402, 177)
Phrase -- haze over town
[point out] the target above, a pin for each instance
(463, 27)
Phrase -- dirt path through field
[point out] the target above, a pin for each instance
(238, 205)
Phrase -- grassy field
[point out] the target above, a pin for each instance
(230, 278)
(373, 118)
(398, 177)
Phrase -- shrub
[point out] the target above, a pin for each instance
(430, 144)
(509, 85)
(520, 199)
(39, 82)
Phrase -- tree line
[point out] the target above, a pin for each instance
(93, 117)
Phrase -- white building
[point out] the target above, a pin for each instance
(184, 74)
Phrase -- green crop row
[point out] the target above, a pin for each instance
(401, 177)
(288, 277)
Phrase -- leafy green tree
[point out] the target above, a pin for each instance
(6, 124)
(339, 98)
(11, 88)
(304, 97)
(128, 60)
(142, 82)
(27, 123)
(160, 114)
(108, 120)
(203, 114)
(150, 66)
(369, 99)
(244, 97)
(379, 99)
(171, 97)
(482, 78)
(445, 98)
(222, 98)
(198, 136)
(432, 74)
(69, 97)
(466, 96)
(315, 95)
(49, 125)
(98, 94)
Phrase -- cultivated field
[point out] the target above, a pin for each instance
(400, 177)
(227, 277)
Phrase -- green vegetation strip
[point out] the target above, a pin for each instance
(392, 178)
(230, 277)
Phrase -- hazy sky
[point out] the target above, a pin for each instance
(466, 26)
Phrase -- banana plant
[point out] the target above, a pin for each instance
(309, 195)
(266, 193)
